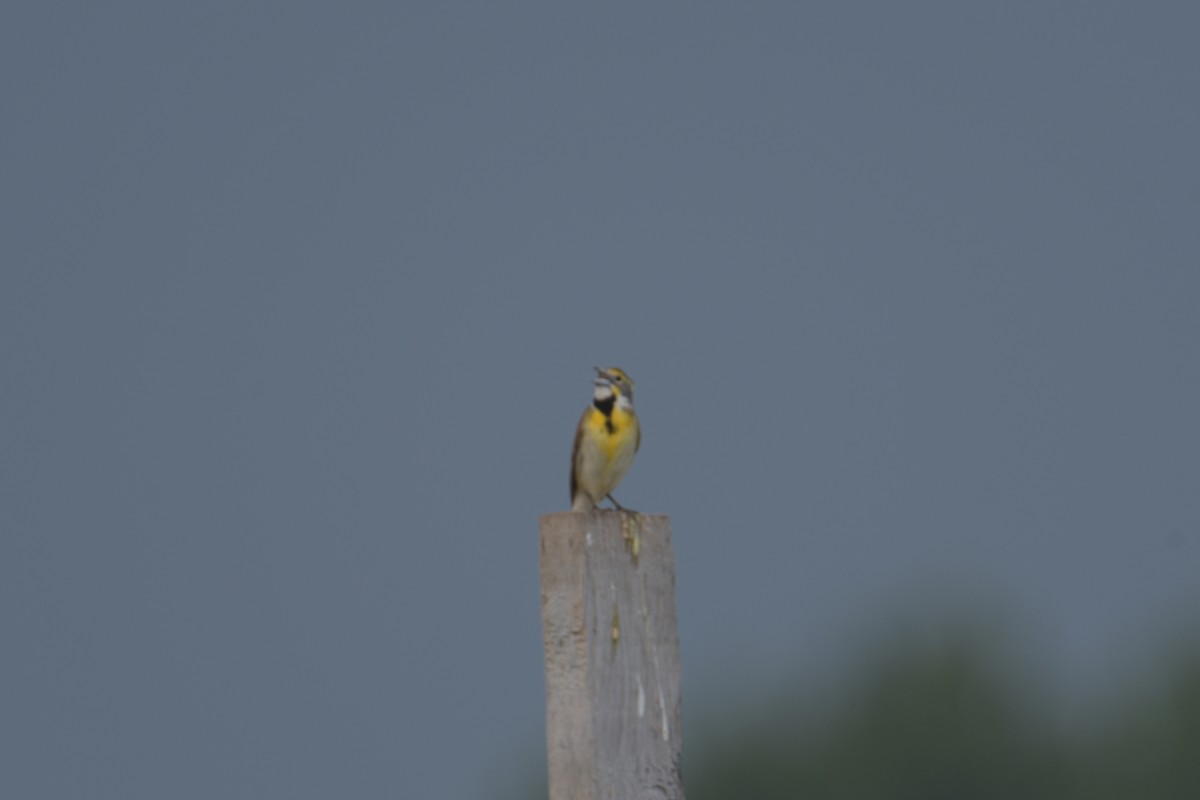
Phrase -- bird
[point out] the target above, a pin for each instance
(605, 441)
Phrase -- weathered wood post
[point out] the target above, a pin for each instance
(613, 714)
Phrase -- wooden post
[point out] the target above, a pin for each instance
(612, 656)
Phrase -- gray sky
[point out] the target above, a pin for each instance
(299, 302)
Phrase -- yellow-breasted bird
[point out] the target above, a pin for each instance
(605, 441)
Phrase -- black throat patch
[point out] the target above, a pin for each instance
(606, 408)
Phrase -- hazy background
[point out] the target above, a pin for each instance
(299, 304)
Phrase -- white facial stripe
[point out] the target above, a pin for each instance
(624, 402)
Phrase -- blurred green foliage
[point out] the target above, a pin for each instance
(956, 722)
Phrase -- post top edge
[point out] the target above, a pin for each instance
(597, 515)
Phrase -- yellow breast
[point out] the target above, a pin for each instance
(606, 447)
(614, 434)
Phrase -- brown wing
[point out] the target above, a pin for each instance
(575, 450)
(638, 443)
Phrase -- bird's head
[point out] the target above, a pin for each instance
(614, 379)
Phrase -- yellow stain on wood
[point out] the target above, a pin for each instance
(631, 533)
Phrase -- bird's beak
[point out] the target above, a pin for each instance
(603, 377)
